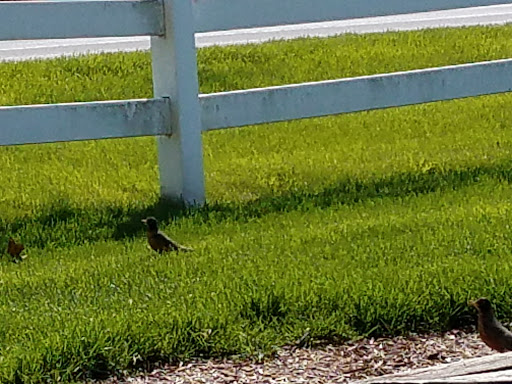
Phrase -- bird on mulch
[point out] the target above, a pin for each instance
(492, 332)
(159, 241)
(14, 249)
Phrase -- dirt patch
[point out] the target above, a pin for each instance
(325, 364)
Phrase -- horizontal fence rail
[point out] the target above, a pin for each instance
(84, 121)
(216, 15)
(21, 20)
(265, 105)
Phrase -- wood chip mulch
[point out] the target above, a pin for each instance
(326, 364)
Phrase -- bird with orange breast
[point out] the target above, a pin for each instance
(14, 249)
(492, 332)
(159, 241)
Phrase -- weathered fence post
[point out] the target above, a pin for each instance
(180, 155)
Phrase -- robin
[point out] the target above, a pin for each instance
(14, 249)
(492, 332)
(159, 241)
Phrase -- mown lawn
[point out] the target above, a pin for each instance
(380, 222)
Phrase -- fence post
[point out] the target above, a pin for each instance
(180, 155)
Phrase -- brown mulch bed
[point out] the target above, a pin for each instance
(325, 364)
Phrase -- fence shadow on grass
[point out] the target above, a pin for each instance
(63, 225)
(351, 191)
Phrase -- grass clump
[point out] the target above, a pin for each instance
(374, 223)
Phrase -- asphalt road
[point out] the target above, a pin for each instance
(30, 49)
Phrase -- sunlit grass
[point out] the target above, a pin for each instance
(380, 222)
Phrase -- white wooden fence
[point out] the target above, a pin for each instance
(177, 114)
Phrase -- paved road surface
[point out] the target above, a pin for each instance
(498, 14)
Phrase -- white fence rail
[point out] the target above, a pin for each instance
(215, 15)
(265, 105)
(177, 114)
(78, 18)
(35, 124)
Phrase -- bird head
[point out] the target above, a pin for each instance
(151, 222)
(483, 305)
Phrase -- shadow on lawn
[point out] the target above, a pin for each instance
(351, 191)
(63, 225)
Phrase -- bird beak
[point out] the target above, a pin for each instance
(472, 303)
(144, 221)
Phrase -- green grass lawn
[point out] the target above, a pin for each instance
(379, 223)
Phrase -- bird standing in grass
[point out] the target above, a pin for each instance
(14, 249)
(492, 332)
(159, 241)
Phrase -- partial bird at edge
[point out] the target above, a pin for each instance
(14, 250)
(491, 331)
